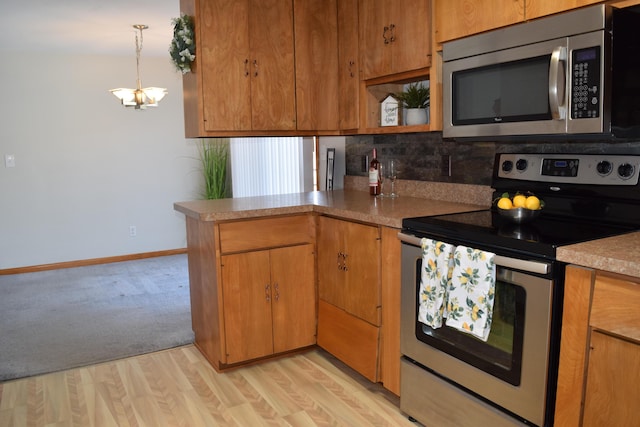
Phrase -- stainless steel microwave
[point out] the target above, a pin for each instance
(573, 74)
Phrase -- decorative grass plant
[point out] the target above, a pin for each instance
(214, 154)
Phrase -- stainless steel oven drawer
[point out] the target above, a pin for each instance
(436, 403)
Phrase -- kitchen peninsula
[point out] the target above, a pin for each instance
(275, 274)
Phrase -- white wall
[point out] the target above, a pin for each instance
(86, 167)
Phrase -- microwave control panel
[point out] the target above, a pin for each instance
(585, 83)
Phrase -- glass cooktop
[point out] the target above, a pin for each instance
(488, 229)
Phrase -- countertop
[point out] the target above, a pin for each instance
(617, 254)
(348, 204)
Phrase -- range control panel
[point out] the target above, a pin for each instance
(598, 169)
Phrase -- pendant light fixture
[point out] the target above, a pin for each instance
(139, 98)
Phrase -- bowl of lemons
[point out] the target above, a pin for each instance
(521, 208)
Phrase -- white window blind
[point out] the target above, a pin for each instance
(266, 166)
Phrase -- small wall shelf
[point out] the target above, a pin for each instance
(374, 90)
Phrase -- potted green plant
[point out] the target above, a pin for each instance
(415, 98)
(214, 155)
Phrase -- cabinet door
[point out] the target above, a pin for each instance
(362, 274)
(293, 297)
(224, 40)
(271, 66)
(412, 35)
(538, 8)
(375, 45)
(330, 243)
(348, 64)
(612, 382)
(460, 18)
(246, 299)
(394, 36)
(349, 267)
(316, 47)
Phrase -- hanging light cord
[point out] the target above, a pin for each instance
(138, 50)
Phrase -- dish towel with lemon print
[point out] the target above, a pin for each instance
(434, 281)
(471, 292)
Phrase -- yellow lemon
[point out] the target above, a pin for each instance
(519, 200)
(532, 203)
(505, 203)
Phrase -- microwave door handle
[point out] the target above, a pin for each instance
(557, 83)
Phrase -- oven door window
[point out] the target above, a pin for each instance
(501, 354)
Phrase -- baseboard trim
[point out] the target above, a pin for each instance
(93, 261)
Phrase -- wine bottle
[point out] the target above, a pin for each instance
(374, 175)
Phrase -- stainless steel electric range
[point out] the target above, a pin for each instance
(452, 378)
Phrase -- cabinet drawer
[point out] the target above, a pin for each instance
(265, 233)
(615, 306)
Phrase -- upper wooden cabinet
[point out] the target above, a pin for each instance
(461, 18)
(244, 72)
(348, 64)
(538, 8)
(395, 37)
(316, 60)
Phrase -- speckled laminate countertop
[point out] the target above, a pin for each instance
(347, 204)
(617, 254)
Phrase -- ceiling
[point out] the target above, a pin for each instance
(92, 27)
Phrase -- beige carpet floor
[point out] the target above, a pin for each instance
(60, 319)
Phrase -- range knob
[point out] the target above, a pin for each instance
(521, 164)
(626, 170)
(507, 166)
(604, 167)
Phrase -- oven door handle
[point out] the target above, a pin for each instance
(501, 261)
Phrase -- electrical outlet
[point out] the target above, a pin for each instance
(445, 165)
(9, 161)
(132, 231)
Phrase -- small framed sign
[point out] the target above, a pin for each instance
(390, 111)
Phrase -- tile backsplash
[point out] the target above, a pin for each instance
(421, 155)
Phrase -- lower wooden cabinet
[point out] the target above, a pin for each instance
(253, 287)
(600, 347)
(613, 376)
(349, 267)
(269, 302)
(270, 285)
(349, 289)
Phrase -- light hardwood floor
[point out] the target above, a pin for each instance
(178, 387)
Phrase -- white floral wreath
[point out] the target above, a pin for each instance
(183, 46)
